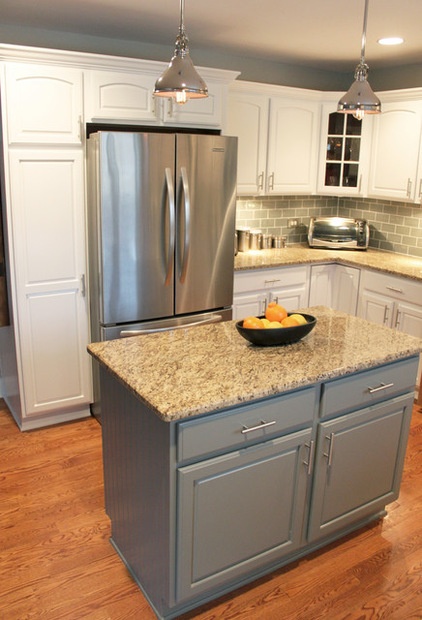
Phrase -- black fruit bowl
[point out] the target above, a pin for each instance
(278, 336)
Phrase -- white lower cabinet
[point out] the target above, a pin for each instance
(392, 301)
(47, 193)
(253, 290)
(335, 286)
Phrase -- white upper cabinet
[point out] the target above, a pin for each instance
(203, 112)
(292, 145)
(111, 95)
(343, 152)
(127, 97)
(395, 151)
(278, 133)
(44, 104)
(248, 120)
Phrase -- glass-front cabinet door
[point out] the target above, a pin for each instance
(342, 153)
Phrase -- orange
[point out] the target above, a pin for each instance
(289, 321)
(275, 312)
(252, 322)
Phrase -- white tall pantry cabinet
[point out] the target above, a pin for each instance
(45, 190)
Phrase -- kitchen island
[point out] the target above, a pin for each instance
(224, 461)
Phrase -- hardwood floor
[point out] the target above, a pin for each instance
(56, 561)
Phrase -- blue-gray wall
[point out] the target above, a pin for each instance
(252, 69)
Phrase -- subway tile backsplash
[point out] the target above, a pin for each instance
(395, 226)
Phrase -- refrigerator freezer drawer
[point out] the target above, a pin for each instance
(151, 327)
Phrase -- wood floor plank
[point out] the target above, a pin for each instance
(56, 561)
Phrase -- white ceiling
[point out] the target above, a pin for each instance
(316, 33)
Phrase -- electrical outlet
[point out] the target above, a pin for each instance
(293, 223)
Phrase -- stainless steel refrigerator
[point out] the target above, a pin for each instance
(161, 224)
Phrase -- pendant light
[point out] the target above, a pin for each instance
(360, 98)
(181, 80)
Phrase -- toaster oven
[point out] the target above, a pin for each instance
(338, 232)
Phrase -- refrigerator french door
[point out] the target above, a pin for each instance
(161, 223)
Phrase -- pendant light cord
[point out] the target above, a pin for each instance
(365, 18)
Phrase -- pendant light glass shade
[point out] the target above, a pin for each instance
(360, 99)
(181, 80)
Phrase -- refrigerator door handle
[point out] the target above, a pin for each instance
(184, 187)
(168, 197)
(126, 333)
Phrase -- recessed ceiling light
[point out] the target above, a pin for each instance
(391, 41)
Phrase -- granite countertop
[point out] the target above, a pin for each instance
(387, 262)
(187, 372)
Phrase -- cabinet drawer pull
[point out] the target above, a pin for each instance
(394, 289)
(329, 455)
(271, 281)
(383, 386)
(311, 446)
(258, 427)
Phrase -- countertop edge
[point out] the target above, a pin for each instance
(376, 260)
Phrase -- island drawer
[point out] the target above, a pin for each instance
(236, 428)
(367, 387)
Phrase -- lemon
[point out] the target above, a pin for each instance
(273, 325)
(299, 318)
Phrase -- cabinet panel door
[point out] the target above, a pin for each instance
(346, 289)
(409, 319)
(44, 104)
(248, 120)
(320, 293)
(292, 146)
(205, 112)
(358, 465)
(375, 308)
(49, 249)
(290, 298)
(240, 512)
(250, 304)
(395, 149)
(124, 96)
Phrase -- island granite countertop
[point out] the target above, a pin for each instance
(387, 262)
(188, 372)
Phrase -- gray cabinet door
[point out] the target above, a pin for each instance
(358, 465)
(240, 512)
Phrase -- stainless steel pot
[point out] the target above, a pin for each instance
(267, 242)
(243, 236)
(279, 242)
(255, 240)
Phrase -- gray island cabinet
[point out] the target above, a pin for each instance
(224, 461)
